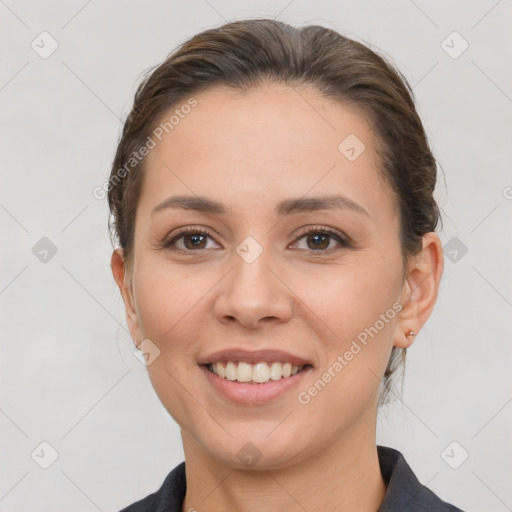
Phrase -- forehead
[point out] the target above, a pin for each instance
(278, 120)
(271, 142)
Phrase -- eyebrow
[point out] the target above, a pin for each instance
(286, 207)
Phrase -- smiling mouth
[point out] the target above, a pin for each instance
(258, 373)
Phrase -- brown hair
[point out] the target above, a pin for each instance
(244, 54)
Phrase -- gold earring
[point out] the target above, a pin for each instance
(410, 333)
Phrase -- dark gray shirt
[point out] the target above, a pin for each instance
(404, 491)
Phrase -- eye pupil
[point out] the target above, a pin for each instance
(194, 237)
(322, 245)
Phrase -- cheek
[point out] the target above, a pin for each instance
(358, 304)
(167, 296)
(352, 296)
(172, 306)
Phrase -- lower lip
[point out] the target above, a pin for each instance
(253, 393)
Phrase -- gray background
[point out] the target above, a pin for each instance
(68, 375)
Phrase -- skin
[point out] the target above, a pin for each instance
(250, 151)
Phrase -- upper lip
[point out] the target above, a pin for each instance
(257, 356)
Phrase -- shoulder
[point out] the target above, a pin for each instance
(405, 491)
(169, 498)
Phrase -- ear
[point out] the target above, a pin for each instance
(123, 280)
(420, 289)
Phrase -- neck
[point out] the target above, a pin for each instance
(345, 476)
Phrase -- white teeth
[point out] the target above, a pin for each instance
(276, 371)
(219, 370)
(230, 371)
(260, 372)
(244, 372)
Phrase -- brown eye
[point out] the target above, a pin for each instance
(193, 239)
(319, 240)
(197, 241)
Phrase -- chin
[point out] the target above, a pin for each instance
(257, 450)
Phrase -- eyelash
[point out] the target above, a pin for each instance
(323, 230)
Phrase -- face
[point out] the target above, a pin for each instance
(293, 257)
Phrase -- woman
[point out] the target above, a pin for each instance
(272, 196)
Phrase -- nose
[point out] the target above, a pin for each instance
(254, 293)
